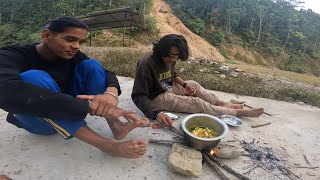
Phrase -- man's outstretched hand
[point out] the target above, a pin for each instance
(104, 106)
(164, 120)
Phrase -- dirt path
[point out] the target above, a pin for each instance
(293, 135)
(169, 24)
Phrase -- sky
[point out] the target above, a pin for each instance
(312, 4)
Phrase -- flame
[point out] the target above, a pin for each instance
(213, 151)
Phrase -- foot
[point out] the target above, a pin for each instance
(128, 149)
(234, 106)
(3, 177)
(255, 112)
(121, 129)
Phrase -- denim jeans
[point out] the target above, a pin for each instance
(89, 78)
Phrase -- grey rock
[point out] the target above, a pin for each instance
(234, 74)
(224, 68)
(191, 58)
(185, 160)
(204, 70)
(223, 76)
(239, 70)
(230, 152)
(212, 62)
(182, 70)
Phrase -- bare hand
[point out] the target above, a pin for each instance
(100, 106)
(190, 90)
(164, 119)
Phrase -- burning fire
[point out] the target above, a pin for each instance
(213, 151)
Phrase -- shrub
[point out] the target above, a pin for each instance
(217, 39)
(196, 25)
(151, 24)
(122, 62)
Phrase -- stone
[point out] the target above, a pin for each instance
(229, 152)
(192, 58)
(182, 70)
(223, 76)
(212, 62)
(239, 70)
(185, 160)
(224, 68)
(234, 74)
(204, 70)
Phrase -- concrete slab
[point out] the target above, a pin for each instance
(294, 132)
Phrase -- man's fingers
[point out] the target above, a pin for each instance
(168, 121)
(101, 111)
(128, 112)
(86, 97)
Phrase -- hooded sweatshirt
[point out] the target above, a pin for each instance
(153, 77)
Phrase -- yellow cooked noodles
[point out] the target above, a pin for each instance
(203, 132)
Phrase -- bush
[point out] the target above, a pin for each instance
(289, 94)
(217, 39)
(151, 24)
(293, 64)
(122, 62)
(223, 52)
(197, 25)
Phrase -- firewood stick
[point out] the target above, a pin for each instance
(290, 174)
(164, 141)
(227, 168)
(214, 167)
(259, 125)
(315, 167)
(306, 159)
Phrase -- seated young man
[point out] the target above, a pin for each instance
(51, 86)
(157, 87)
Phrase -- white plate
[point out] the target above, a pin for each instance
(231, 120)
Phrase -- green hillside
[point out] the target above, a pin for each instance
(273, 29)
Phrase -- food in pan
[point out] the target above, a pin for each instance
(203, 132)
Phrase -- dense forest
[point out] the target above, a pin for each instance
(21, 20)
(274, 28)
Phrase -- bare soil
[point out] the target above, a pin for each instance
(170, 24)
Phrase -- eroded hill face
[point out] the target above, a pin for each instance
(170, 24)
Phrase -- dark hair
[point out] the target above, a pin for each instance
(60, 24)
(162, 47)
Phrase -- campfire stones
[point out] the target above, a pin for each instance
(185, 160)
